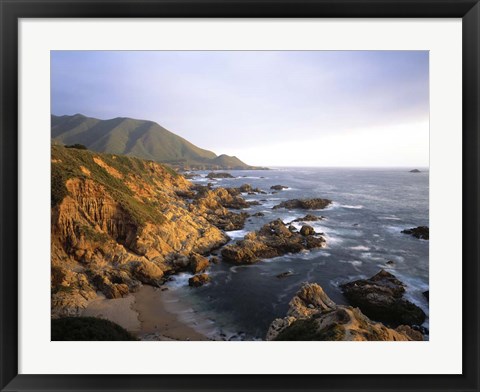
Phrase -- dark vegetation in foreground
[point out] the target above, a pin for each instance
(88, 328)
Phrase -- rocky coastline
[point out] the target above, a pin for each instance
(312, 315)
(120, 223)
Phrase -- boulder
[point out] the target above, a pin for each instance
(147, 272)
(306, 204)
(198, 263)
(307, 230)
(198, 280)
(420, 232)
(108, 288)
(245, 188)
(179, 262)
(381, 298)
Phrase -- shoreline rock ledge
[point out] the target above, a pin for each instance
(312, 315)
(272, 240)
(381, 298)
(420, 232)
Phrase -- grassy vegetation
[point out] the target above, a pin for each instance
(88, 328)
(68, 162)
(58, 188)
(92, 235)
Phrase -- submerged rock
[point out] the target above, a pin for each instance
(272, 240)
(284, 274)
(312, 315)
(198, 280)
(308, 218)
(420, 232)
(415, 171)
(307, 204)
(381, 298)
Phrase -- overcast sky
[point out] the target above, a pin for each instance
(287, 108)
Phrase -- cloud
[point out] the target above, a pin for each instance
(229, 101)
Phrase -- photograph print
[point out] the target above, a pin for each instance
(240, 195)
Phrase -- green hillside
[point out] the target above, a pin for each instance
(138, 138)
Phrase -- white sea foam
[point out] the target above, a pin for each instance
(370, 256)
(236, 234)
(235, 268)
(394, 229)
(357, 207)
(360, 247)
(289, 218)
(179, 280)
(354, 263)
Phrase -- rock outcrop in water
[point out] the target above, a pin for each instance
(214, 175)
(308, 218)
(307, 204)
(415, 171)
(247, 188)
(118, 222)
(312, 315)
(278, 187)
(198, 280)
(272, 240)
(420, 232)
(381, 298)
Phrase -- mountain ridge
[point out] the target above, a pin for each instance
(143, 139)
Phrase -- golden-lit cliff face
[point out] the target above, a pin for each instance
(117, 222)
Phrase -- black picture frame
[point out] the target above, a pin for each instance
(12, 11)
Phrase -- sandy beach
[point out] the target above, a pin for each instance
(118, 310)
(157, 322)
(145, 314)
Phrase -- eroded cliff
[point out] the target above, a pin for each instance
(117, 222)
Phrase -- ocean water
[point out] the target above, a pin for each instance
(363, 230)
